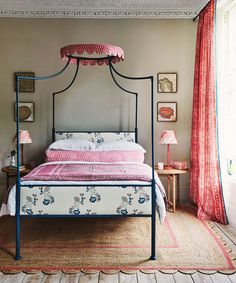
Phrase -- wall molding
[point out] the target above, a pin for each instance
(152, 14)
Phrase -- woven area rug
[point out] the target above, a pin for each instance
(183, 243)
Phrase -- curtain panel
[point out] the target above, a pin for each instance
(205, 180)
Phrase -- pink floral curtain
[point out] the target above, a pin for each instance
(205, 182)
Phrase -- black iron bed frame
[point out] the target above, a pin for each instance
(152, 184)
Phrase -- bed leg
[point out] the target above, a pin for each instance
(17, 257)
(17, 219)
(153, 225)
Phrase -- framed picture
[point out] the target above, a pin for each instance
(26, 111)
(167, 82)
(25, 85)
(167, 111)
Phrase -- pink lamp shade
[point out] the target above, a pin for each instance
(168, 137)
(76, 50)
(24, 138)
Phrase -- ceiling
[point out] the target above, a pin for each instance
(101, 8)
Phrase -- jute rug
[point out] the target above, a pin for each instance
(183, 243)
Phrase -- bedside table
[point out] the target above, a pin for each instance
(12, 173)
(172, 184)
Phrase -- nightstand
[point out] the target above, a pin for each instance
(172, 185)
(12, 173)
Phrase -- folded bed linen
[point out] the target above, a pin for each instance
(90, 171)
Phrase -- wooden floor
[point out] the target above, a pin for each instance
(119, 278)
(227, 233)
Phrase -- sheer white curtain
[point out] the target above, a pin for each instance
(226, 63)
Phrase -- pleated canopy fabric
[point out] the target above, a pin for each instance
(76, 50)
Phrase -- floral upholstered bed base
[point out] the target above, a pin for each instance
(86, 200)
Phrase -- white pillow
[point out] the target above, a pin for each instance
(72, 144)
(120, 145)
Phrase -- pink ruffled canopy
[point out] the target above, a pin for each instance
(78, 49)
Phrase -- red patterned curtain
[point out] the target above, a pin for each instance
(205, 182)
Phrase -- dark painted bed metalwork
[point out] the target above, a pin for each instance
(151, 185)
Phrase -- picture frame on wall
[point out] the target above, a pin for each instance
(26, 111)
(25, 85)
(167, 111)
(167, 82)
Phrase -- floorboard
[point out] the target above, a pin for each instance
(14, 278)
(108, 278)
(70, 278)
(201, 278)
(219, 278)
(89, 278)
(146, 278)
(232, 278)
(33, 278)
(54, 278)
(229, 231)
(2, 277)
(182, 278)
(164, 278)
(127, 278)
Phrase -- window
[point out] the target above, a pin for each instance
(226, 66)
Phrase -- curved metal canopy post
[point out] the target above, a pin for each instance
(152, 102)
(18, 79)
(130, 92)
(61, 91)
(153, 237)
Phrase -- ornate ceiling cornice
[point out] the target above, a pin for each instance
(98, 14)
(100, 8)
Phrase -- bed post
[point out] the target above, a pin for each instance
(136, 117)
(53, 117)
(153, 220)
(153, 182)
(18, 183)
(61, 91)
(17, 213)
(153, 237)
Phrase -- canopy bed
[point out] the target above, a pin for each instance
(90, 174)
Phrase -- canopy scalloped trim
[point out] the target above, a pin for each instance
(78, 49)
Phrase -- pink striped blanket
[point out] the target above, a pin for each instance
(78, 171)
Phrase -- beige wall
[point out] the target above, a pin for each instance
(94, 102)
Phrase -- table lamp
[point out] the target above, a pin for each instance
(168, 137)
(24, 137)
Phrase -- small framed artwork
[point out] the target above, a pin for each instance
(26, 111)
(167, 82)
(167, 111)
(25, 85)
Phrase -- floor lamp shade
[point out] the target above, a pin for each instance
(168, 137)
(24, 138)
